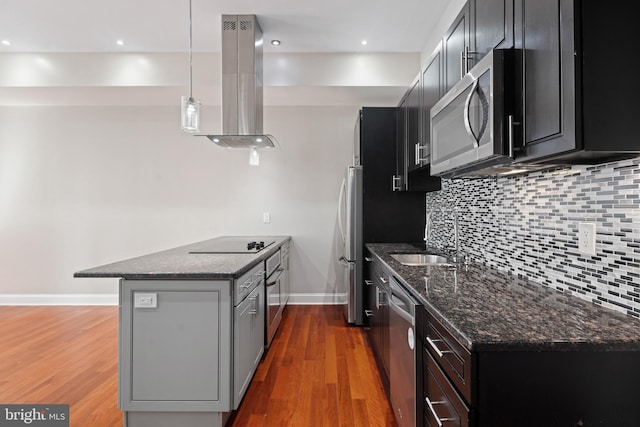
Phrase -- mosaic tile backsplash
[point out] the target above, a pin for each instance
(528, 225)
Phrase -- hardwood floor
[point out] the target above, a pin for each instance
(62, 355)
(318, 371)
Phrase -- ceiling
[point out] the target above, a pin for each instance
(163, 26)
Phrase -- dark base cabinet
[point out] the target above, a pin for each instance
(556, 388)
(378, 316)
(504, 388)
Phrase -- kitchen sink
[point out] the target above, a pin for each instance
(420, 259)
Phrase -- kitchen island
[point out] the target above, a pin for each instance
(498, 350)
(192, 328)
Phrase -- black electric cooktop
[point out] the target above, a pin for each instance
(233, 245)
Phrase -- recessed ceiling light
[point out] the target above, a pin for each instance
(364, 42)
(275, 42)
(120, 42)
(6, 42)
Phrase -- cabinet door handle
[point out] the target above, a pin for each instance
(368, 259)
(417, 154)
(247, 284)
(368, 282)
(368, 313)
(468, 55)
(462, 66)
(394, 186)
(433, 345)
(431, 404)
(383, 280)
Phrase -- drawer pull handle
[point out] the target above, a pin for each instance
(368, 313)
(433, 345)
(368, 259)
(247, 284)
(254, 310)
(368, 282)
(433, 411)
(383, 279)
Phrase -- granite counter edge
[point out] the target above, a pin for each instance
(202, 275)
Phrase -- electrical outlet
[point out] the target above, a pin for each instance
(587, 238)
(145, 300)
(266, 217)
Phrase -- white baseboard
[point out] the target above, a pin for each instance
(59, 299)
(317, 299)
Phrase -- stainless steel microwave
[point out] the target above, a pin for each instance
(472, 125)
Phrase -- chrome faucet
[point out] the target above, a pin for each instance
(453, 251)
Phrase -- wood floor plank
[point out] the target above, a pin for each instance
(317, 372)
(62, 355)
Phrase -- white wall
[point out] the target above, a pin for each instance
(94, 168)
(85, 186)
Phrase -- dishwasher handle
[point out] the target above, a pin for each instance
(273, 279)
(407, 316)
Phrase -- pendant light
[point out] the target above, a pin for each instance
(254, 157)
(190, 107)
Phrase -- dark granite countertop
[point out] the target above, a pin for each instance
(178, 263)
(490, 310)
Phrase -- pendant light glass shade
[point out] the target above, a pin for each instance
(254, 157)
(190, 114)
(190, 108)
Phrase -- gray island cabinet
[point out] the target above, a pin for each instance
(191, 332)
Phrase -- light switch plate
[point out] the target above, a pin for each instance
(587, 238)
(145, 300)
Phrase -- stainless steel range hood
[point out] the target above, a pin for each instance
(242, 85)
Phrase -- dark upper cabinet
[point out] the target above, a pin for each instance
(491, 27)
(399, 180)
(480, 26)
(546, 72)
(412, 173)
(432, 91)
(456, 43)
(579, 89)
(414, 138)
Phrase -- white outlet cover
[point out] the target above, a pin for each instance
(587, 238)
(266, 217)
(145, 300)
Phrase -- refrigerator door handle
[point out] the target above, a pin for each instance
(344, 261)
(343, 187)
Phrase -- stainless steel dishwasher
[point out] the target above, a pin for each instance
(402, 361)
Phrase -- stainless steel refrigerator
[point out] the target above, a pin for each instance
(369, 210)
(350, 225)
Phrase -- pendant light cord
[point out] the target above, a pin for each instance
(190, 53)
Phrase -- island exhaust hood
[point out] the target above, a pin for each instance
(242, 85)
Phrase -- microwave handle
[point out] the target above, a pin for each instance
(467, 119)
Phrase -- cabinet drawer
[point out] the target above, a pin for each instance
(454, 359)
(247, 282)
(284, 249)
(378, 275)
(442, 405)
